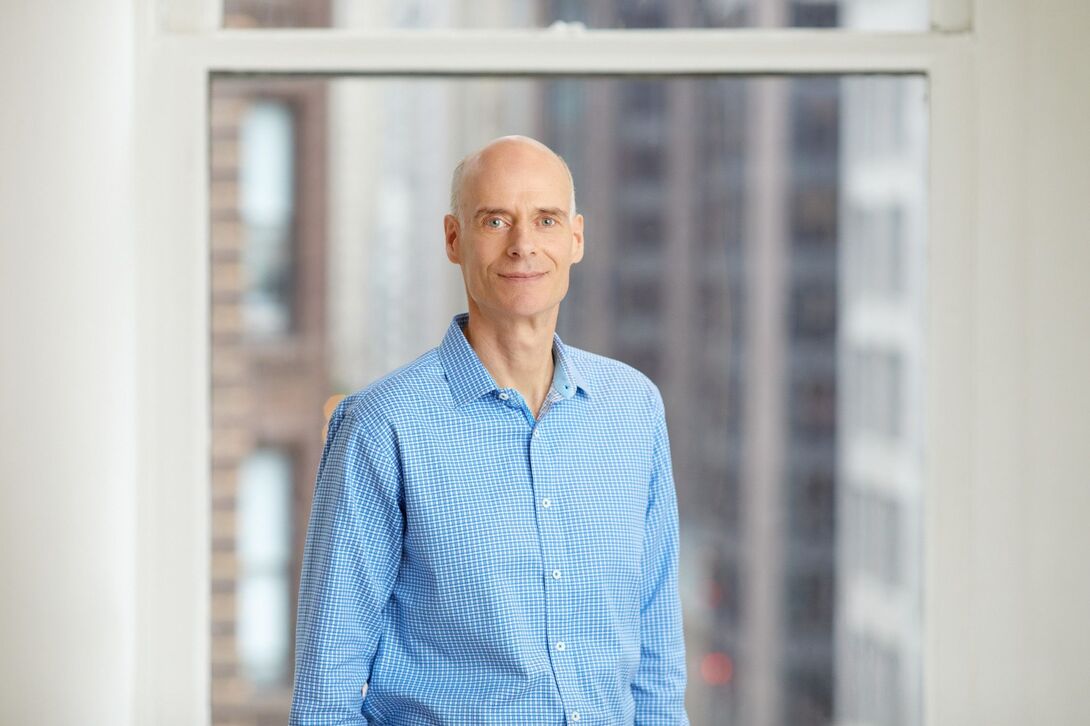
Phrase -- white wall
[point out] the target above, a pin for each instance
(67, 454)
(1056, 243)
(1029, 637)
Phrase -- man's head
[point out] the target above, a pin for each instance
(466, 167)
(513, 228)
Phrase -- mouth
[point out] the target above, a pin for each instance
(523, 276)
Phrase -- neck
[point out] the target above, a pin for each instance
(517, 352)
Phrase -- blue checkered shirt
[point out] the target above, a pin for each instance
(474, 565)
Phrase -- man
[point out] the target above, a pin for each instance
(494, 531)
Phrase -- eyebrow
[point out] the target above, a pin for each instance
(554, 211)
(490, 210)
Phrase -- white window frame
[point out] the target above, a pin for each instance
(178, 47)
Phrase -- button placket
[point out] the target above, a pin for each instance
(554, 553)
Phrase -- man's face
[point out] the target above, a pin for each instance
(514, 240)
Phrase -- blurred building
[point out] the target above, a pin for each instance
(270, 373)
(879, 630)
(269, 378)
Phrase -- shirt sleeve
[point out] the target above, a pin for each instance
(350, 562)
(658, 687)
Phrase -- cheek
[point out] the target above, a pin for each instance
(472, 262)
(475, 272)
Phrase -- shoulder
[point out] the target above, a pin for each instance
(616, 379)
(377, 406)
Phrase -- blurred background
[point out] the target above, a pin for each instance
(757, 244)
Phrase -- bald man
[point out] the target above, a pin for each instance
(494, 534)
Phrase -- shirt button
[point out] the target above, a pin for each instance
(537, 433)
(560, 645)
(546, 502)
(504, 396)
(574, 715)
(556, 574)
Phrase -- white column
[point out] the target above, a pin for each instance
(67, 428)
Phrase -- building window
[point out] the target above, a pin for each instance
(267, 212)
(875, 399)
(265, 567)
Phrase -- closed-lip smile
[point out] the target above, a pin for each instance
(522, 275)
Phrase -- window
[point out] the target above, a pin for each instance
(714, 264)
(873, 533)
(182, 52)
(266, 208)
(876, 405)
(265, 618)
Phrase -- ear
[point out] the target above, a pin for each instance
(577, 238)
(452, 232)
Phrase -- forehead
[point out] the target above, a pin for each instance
(517, 173)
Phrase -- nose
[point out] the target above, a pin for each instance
(520, 242)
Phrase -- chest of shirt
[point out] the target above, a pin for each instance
(489, 497)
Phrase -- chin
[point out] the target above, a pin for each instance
(523, 309)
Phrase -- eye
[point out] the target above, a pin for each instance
(548, 222)
(494, 222)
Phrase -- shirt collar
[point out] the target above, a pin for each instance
(469, 379)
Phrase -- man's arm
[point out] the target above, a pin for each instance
(350, 562)
(659, 685)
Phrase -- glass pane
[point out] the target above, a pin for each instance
(905, 15)
(754, 244)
